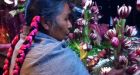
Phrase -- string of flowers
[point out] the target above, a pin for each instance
(23, 49)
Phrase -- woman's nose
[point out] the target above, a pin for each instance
(69, 24)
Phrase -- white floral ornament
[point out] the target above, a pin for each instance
(11, 2)
(13, 12)
(8, 1)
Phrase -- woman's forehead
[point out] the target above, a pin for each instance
(66, 9)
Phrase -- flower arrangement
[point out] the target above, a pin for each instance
(114, 50)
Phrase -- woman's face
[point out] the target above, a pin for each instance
(61, 30)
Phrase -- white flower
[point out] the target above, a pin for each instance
(126, 43)
(124, 11)
(87, 3)
(13, 12)
(15, 2)
(105, 70)
(130, 30)
(77, 31)
(86, 46)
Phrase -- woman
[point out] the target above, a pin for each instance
(47, 52)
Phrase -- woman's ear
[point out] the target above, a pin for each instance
(44, 23)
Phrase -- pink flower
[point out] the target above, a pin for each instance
(138, 51)
(23, 47)
(132, 69)
(115, 42)
(6, 61)
(34, 24)
(6, 72)
(20, 60)
(5, 67)
(16, 38)
(94, 9)
(71, 36)
(124, 11)
(123, 60)
(9, 54)
(110, 33)
(130, 31)
(133, 57)
(80, 22)
(21, 1)
(102, 53)
(126, 43)
(93, 35)
(29, 38)
(15, 72)
(36, 19)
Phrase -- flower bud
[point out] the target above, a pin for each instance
(126, 43)
(15, 72)
(71, 36)
(132, 69)
(93, 36)
(110, 33)
(133, 57)
(138, 51)
(124, 11)
(130, 31)
(115, 42)
(102, 53)
(94, 9)
(5, 67)
(123, 60)
(80, 22)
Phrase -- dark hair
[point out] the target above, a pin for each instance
(48, 9)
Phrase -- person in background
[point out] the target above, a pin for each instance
(43, 50)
